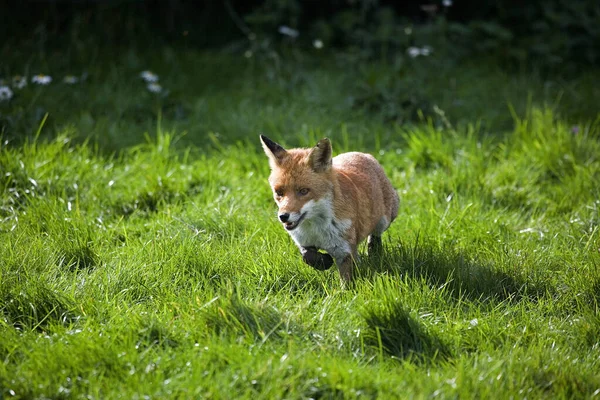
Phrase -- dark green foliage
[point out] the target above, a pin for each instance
(391, 94)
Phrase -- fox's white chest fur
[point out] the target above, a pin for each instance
(321, 229)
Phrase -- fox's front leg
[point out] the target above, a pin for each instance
(346, 266)
(315, 259)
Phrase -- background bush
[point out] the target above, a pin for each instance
(556, 34)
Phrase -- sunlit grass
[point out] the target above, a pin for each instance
(161, 271)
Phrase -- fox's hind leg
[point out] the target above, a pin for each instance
(374, 242)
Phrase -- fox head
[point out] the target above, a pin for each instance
(301, 180)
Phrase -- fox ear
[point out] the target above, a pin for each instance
(274, 151)
(320, 156)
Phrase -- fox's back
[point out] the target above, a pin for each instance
(363, 181)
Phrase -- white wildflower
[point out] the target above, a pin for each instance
(149, 76)
(248, 53)
(287, 31)
(70, 79)
(5, 93)
(413, 52)
(447, 3)
(154, 87)
(19, 82)
(419, 51)
(41, 79)
(318, 44)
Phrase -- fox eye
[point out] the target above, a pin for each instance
(303, 191)
(279, 193)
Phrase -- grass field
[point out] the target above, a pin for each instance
(152, 266)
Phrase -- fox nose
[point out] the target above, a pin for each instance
(283, 217)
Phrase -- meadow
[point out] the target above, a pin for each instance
(141, 256)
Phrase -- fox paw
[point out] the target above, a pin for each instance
(319, 261)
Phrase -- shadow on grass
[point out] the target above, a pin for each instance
(79, 258)
(393, 330)
(236, 316)
(155, 333)
(34, 305)
(461, 277)
(390, 327)
(147, 203)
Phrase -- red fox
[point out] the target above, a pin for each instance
(330, 204)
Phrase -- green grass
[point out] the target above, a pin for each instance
(162, 272)
(136, 265)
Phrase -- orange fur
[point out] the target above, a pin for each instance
(329, 203)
